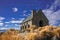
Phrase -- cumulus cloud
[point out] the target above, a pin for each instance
(2, 18)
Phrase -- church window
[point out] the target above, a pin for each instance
(25, 26)
(28, 26)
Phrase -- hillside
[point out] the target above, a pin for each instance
(41, 33)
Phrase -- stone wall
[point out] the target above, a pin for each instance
(39, 16)
(26, 25)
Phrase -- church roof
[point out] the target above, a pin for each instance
(28, 18)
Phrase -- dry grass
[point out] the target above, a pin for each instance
(41, 33)
(11, 35)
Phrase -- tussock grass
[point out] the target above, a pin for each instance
(35, 33)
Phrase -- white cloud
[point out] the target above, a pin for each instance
(1, 24)
(22, 19)
(15, 9)
(25, 15)
(24, 11)
(3, 28)
(55, 15)
(55, 5)
(57, 2)
(17, 21)
(29, 14)
(13, 18)
(17, 25)
(47, 12)
(7, 22)
(52, 15)
(6, 25)
(2, 18)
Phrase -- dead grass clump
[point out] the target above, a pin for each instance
(30, 36)
(43, 33)
(11, 35)
(56, 32)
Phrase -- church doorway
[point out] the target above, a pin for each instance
(41, 23)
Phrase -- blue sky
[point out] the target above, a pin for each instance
(13, 12)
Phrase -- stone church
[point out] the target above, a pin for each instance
(36, 18)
